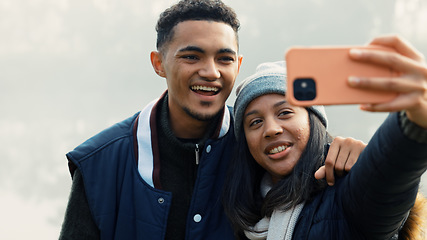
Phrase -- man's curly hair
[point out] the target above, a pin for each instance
(209, 10)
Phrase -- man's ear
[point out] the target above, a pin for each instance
(156, 62)
(240, 59)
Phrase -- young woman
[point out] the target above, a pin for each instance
(271, 191)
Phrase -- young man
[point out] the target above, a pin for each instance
(159, 174)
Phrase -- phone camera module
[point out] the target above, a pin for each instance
(304, 89)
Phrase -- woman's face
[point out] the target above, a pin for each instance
(277, 133)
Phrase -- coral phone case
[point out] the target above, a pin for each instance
(318, 76)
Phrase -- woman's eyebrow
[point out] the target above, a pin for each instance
(280, 103)
(256, 111)
(250, 113)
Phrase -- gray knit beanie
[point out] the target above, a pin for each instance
(269, 78)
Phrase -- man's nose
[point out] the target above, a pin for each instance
(210, 70)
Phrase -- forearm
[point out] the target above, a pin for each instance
(78, 222)
(382, 186)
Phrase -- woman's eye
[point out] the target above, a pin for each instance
(254, 122)
(284, 113)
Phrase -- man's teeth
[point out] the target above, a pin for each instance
(278, 149)
(204, 88)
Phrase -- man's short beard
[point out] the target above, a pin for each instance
(201, 117)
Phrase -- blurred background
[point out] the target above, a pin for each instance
(70, 68)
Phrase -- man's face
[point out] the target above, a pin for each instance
(200, 65)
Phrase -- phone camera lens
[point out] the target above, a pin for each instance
(304, 89)
(303, 84)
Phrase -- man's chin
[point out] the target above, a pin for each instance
(202, 116)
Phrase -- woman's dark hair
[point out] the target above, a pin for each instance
(185, 10)
(242, 198)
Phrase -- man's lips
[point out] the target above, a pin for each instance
(205, 90)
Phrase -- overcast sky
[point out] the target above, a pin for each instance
(70, 68)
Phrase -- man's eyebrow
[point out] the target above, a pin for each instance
(191, 48)
(227, 50)
(198, 49)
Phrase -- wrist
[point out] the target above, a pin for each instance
(411, 129)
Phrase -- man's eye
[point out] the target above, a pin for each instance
(226, 59)
(190, 57)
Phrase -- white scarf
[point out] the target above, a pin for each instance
(281, 224)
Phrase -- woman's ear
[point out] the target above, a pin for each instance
(157, 63)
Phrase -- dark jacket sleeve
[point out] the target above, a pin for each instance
(78, 222)
(382, 186)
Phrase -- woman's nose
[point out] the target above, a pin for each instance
(272, 128)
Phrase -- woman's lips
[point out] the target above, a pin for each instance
(278, 150)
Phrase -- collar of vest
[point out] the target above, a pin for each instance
(147, 140)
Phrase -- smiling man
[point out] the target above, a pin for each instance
(159, 174)
(200, 65)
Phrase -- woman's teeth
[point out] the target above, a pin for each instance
(278, 149)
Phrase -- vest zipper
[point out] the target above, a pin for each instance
(197, 150)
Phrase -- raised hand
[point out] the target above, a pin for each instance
(411, 84)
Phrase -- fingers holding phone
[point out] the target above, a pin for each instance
(410, 85)
(388, 75)
(318, 76)
(401, 45)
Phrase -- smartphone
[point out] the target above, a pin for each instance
(319, 75)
